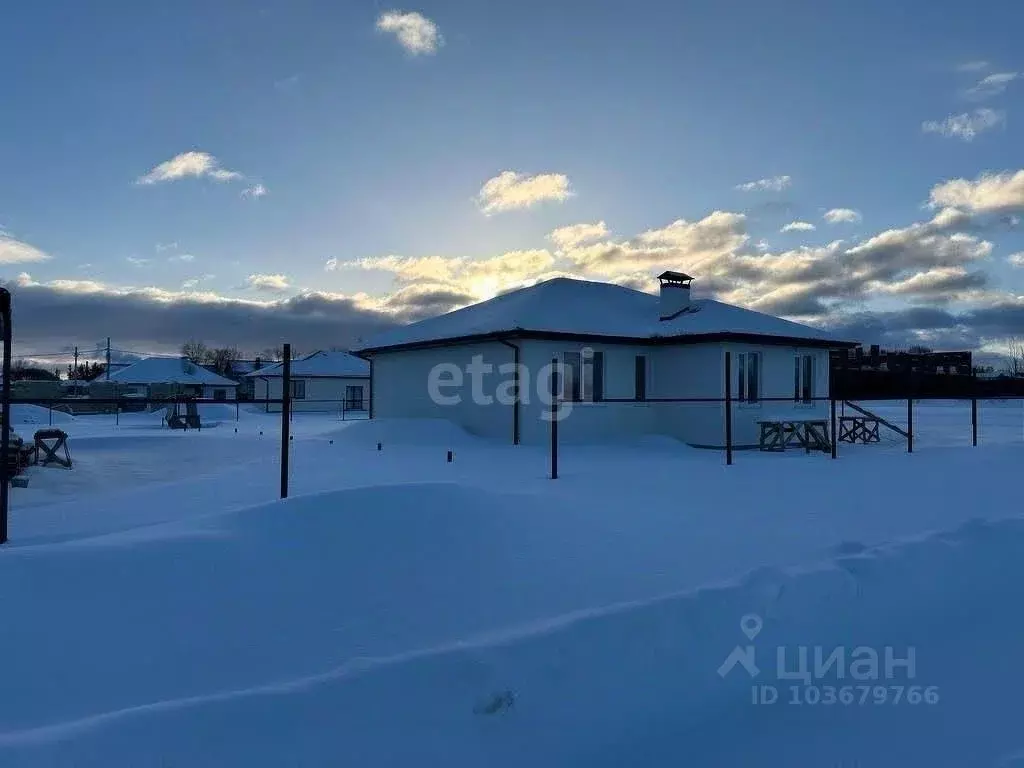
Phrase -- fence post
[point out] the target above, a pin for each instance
(554, 418)
(974, 408)
(834, 435)
(728, 408)
(286, 406)
(49, 412)
(236, 406)
(5, 411)
(910, 424)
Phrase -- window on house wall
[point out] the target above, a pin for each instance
(583, 376)
(749, 370)
(803, 379)
(640, 377)
(299, 390)
(354, 397)
(220, 394)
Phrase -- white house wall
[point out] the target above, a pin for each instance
(777, 380)
(324, 394)
(401, 387)
(401, 390)
(587, 420)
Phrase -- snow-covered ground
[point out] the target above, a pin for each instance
(161, 608)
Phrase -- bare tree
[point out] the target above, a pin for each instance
(221, 358)
(277, 353)
(195, 352)
(1015, 356)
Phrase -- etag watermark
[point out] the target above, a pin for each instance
(556, 385)
(858, 676)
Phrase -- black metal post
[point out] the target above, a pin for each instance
(728, 408)
(286, 407)
(5, 413)
(974, 408)
(910, 408)
(554, 418)
(910, 424)
(834, 436)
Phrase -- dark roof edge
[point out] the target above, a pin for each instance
(646, 341)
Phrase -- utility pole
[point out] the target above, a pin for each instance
(108, 358)
(5, 411)
(74, 371)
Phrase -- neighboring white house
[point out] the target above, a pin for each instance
(158, 376)
(622, 352)
(322, 381)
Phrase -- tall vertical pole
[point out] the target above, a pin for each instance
(5, 412)
(554, 418)
(910, 424)
(728, 408)
(834, 435)
(108, 359)
(974, 409)
(910, 409)
(75, 369)
(286, 407)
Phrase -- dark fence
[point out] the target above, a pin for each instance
(848, 419)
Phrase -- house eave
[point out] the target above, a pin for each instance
(648, 341)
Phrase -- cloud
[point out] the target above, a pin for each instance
(1016, 259)
(414, 31)
(966, 126)
(509, 191)
(255, 191)
(798, 226)
(973, 66)
(842, 215)
(330, 265)
(480, 278)
(154, 319)
(989, 193)
(268, 283)
(135, 261)
(185, 257)
(577, 234)
(17, 252)
(161, 247)
(196, 164)
(773, 184)
(993, 85)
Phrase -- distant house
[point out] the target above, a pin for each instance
(623, 353)
(322, 381)
(165, 376)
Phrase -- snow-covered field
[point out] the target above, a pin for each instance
(161, 608)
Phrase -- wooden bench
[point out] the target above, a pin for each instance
(810, 434)
(859, 429)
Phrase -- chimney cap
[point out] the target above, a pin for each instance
(671, 277)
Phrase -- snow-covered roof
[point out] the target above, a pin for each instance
(582, 307)
(168, 370)
(326, 364)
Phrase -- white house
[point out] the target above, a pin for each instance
(624, 354)
(323, 381)
(159, 376)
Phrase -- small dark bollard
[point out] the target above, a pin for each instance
(291, 437)
(330, 442)
(451, 457)
(261, 433)
(379, 446)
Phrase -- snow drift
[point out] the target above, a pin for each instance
(634, 683)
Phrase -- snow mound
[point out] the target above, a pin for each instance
(628, 684)
(35, 414)
(437, 432)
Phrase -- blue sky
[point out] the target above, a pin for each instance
(352, 161)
